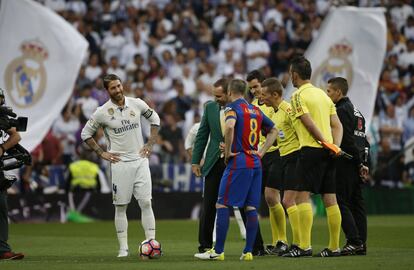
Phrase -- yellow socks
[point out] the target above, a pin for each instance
(305, 224)
(278, 223)
(273, 225)
(293, 214)
(334, 224)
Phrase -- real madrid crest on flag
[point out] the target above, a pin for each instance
(336, 65)
(41, 54)
(351, 44)
(26, 76)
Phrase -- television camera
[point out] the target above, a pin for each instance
(17, 156)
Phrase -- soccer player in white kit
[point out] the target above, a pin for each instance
(120, 118)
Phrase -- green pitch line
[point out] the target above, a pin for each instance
(94, 246)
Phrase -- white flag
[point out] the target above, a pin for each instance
(351, 44)
(41, 55)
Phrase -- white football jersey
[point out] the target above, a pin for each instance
(122, 126)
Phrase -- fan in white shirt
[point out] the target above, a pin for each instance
(231, 41)
(132, 48)
(188, 82)
(93, 70)
(162, 83)
(407, 58)
(115, 69)
(400, 13)
(210, 76)
(87, 102)
(65, 129)
(257, 51)
(113, 43)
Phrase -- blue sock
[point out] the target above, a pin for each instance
(222, 226)
(251, 230)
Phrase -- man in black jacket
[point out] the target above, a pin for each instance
(349, 173)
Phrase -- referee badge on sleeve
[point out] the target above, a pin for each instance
(281, 134)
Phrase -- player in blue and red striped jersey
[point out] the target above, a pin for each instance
(242, 180)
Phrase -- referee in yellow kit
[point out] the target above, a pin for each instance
(288, 142)
(270, 162)
(318, 123)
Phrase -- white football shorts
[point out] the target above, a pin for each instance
(132, 177)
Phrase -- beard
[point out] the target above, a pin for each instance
(117, 96)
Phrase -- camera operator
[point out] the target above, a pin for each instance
(13, 139)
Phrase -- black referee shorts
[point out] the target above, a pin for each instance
(272, 162)
(316, 170)
(290, 176)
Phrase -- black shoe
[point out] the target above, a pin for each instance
(259, 252)
(280, 248)
(362, 250)
(203, 249)
(329, 253)
(292, 246)
(268, 249)
(296, 251)
(350, 249)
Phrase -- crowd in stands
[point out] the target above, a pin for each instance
(170, 52)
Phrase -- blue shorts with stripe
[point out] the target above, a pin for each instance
(240, 187)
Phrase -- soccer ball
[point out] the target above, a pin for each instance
(150, 249)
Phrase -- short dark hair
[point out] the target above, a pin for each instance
(273, 85)
(301, 66)
(237, 86)
(256, 74)
(109, 78)
(223, 83)
(339, 83)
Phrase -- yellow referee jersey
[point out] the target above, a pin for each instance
(287, 140)
(312, 100)
(269, 112)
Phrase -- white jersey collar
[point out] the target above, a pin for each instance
(117, 107)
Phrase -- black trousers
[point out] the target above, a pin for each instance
(351, 202)
(4, 225)
(208, 210)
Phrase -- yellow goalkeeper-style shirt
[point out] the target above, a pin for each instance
(287, 139)
(314, 101)
(269, 112)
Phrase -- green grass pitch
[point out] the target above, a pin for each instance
(94, 246)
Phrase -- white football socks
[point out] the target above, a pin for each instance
(147, 218)
(121, 226)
